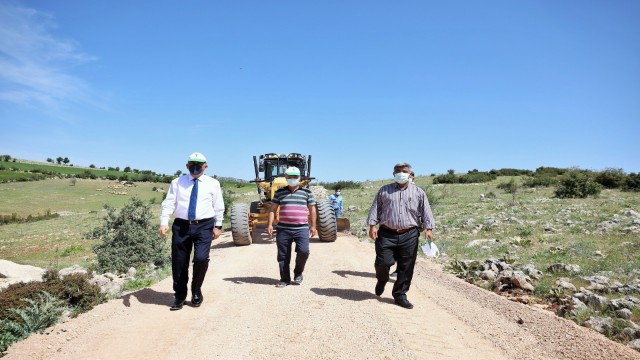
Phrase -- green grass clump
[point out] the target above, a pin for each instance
(39, 315)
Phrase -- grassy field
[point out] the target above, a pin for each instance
(59, 241)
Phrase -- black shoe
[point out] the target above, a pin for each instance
(177, 305)
(404, 303)
(196, 298)
(380, 287)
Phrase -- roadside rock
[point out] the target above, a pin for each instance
(559, 267)
(565, 284)
(75, 269)
(110, 284)
(635, 344)
(599, 324)
(11, 273)
(532, 272)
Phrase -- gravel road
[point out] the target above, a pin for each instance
(332, 315)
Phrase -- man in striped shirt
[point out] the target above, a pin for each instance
(402, 212)
(297, 208)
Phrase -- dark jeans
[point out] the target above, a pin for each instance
(185, 237)
(284, 239)
(403, 248)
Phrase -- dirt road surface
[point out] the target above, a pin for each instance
(332, 315)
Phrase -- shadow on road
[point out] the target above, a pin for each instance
(344, 273)
(149, 296)
(222, 245)
(252, 280)
(347, 294)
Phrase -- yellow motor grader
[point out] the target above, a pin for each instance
(269, 170)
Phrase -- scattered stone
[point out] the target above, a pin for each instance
(635, 344)
(75, 269)
(630, 212)
(624, 314)
(559, 267)
(627, 302)
(132, 272)
(606, 226)
(578, 305)
(532, 272)
(565, 284)
(488, 275)
(601, 325)
(551, 229)
(589, 298)
(522, 281)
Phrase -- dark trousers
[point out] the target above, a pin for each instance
(403, 248)
(185, 237)
(284, 239)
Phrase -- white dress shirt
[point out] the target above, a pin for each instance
(210, 203)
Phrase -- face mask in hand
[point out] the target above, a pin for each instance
(401, 178)
(195, 169)
(293, 182)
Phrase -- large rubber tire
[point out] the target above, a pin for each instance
(240, 230)
(326, 221)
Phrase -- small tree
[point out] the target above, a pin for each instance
(59, 160)
(49, 160)
(127, 169)
(128, 239)
(92, 166)
(66, 160)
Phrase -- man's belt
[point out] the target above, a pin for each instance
(396, 231)
(191, 222)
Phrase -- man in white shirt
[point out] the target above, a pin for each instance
(196, 202)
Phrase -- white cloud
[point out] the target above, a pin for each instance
(34, 64)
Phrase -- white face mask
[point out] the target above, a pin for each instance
(293, 182)
(401, 178)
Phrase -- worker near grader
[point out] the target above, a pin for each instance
(297, 209)
(196, 201)
(336, 202)
(402, 212)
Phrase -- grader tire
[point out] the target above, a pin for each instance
(240, 230)
(326, 221)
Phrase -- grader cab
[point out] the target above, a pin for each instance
(249, 219)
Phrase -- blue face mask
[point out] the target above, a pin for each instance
(195, 169)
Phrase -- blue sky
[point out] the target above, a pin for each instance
(360, 85)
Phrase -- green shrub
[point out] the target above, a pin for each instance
(445, 179)
(128, 239)
(577, 184)
(227, 199)
(631, 182)
(511, 172)
(610, 178)
(540, 181)
(342, 184)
